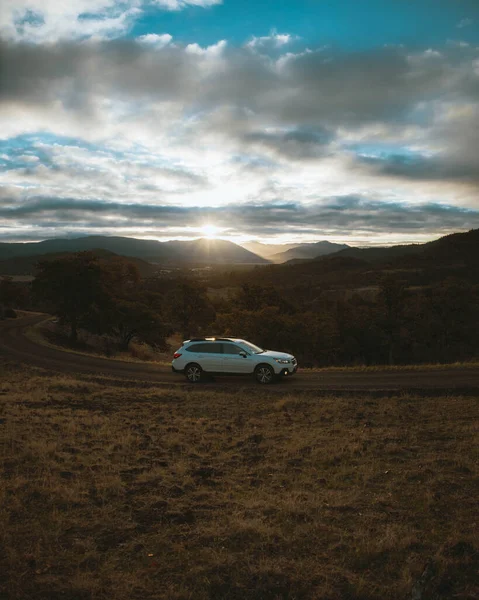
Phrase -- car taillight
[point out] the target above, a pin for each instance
(176, 355)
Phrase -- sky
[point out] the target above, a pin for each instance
(282, 121)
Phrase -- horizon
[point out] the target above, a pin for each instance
(218, 238)
(348, 122)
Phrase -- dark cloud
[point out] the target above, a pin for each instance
(338, 215)
(296, 144)
(76, 210)
(292, 108)
(321, 87)
(425, 168)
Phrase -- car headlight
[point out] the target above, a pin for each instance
(282, 361)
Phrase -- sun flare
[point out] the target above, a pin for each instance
(210, 231)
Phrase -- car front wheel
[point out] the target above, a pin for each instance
(193, 373)
(264, 374)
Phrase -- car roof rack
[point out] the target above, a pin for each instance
(209, 339)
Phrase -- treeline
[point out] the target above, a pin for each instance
(397, 324)
(109, 298)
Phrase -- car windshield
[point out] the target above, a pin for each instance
(254, 349)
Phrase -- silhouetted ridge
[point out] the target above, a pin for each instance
(194, 251)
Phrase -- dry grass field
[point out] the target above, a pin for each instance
(126, 491)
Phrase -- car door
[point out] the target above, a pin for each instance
(207, 355)
(211, 357)
(234, 362)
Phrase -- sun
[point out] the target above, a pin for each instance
(210, 231)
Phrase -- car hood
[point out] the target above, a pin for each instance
(274, 354)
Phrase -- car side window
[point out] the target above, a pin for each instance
(205, 348)
(213, 348)
(232, 349)
(196, 348)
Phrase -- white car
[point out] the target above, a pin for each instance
(231, 356)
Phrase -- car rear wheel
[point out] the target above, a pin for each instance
(193, 373)
(264, 374)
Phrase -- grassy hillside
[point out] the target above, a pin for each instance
(127, 491)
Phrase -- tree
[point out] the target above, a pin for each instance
(392, 296)
(8, 295)
(255, 297)
(70, 285)
(127, 319)
(189, 309)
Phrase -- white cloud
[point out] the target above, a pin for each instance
(273, 41)
(215, 50)
(155, 40)
(464, 23)
(51, 20)
(180, 4)
(28, 158)
(41, 21)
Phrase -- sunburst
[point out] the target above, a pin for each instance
(210, 231)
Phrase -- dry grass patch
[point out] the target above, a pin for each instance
(113, 492)
(470, 364)
(50, 333)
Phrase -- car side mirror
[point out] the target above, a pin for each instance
(243, 354)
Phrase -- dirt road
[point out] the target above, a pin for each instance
(16, 346)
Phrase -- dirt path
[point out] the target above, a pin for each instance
(16, 346)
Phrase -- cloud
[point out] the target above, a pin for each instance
(295, 144)
(180, 4)
(426, 168)
(150, 123)
(466, 22)
(452, 156)
(41, 21)
(320, 87)
(273, 41)
(335, 216)
(153, 39)
(211, 52)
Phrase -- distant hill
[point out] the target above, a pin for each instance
(456, 246)
(268, 250)
(208, 251)
(379, 254)
(201, 251)
(26, 265)
(463, 247)
(417, 265)
(313, 250)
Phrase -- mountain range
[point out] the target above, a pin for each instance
(456, 246)
(305, 251)
(459, 248)
(201, 251)
(280, 253)
(452, 257)
(268, 250)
